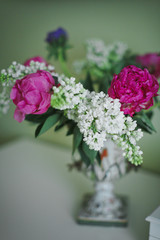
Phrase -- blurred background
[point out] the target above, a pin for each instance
(24, 25)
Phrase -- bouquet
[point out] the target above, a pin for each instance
(113, 97)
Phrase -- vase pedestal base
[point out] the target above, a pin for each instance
(102, 214)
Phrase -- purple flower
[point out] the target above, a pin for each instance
(135, 88)
(58, 36)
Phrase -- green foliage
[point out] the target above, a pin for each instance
(105, 82)
(39, 118)
(98, 158)
(87, 155)
(77, 138)
(96, 72)
(90, 153)
(4, 78)
(147, 121)
(83, 155)
(117, 67)
(88, 84)
(62, 122)
(55, 49)
(144, 122)
(47, 124)
(71, 126)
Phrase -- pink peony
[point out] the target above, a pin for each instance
(32, 94)
(150, 61)
(135, 88)
(35, 59)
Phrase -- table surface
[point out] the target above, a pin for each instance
(39, 197)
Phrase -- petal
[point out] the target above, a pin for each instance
(47, 76)
(41, 84)
(13, 93)
(26, 84)
(46, 99)
(26, 108)
(147, 105)
(33, 97)
(18, 115)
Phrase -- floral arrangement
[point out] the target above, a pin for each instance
(115, 99)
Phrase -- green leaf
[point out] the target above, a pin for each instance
(118, 67)
(144, 122)
(96, 72)
(149, 114)
(84, 157)
(98, 158)
(39, 118)
(104, 85)
(87, 84)
(70, 129)
(142, 125)
(47, 124)
(63, 121)
(77, 138)
(147, 121)
(35, 118)
(91, 154)
(56, 80)
(105, 82)
(68, 46)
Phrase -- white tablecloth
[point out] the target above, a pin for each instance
(39, 197)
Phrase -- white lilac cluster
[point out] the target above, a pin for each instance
(17, 71)
(127, 141)
(100, 55)
(10, 75)
(4, 101)
(97, 53)
(120, 49)
(98, 117)
(68, 95)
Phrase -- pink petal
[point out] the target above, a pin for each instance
(26, 108)
(41, 84)
(18, 115)
(33, 97)
(13, 93)
(46, 99)
(47, 76)
(26, 84)
(147, 105)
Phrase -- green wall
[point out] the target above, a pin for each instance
(24, 24)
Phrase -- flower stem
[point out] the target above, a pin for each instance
(63, 62)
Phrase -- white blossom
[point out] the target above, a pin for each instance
(100, 55)
(98, 117)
